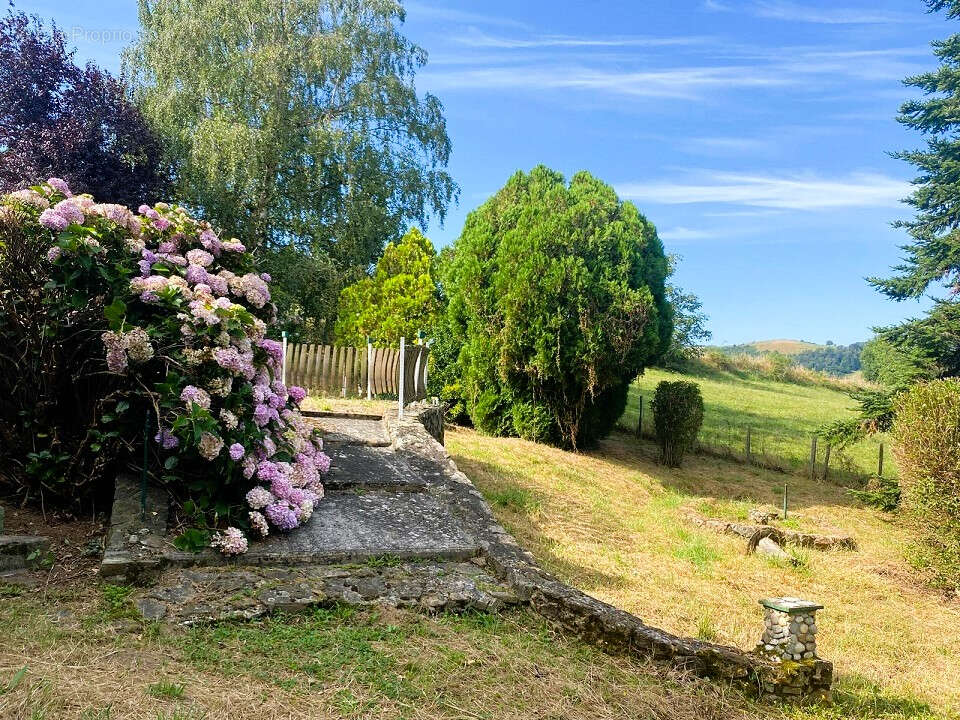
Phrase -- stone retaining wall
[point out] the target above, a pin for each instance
(590, 618)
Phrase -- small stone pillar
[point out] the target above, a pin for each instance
(790, 629)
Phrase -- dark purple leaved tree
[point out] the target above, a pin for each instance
(58, 119)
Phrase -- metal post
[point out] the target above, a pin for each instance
(640, 419)
(813, 458)
(283, 360)
(748, 444)
(146, 459)
(784, 501)
(826, 462)
(369, 369)
(403, 371)
(880, 462)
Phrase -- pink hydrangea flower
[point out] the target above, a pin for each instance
(259, 498)
(230, 542)
(52, 220)
(196, 396)
(60, 185)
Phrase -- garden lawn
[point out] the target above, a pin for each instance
(81, 653)
(612, 522)
(782, 418)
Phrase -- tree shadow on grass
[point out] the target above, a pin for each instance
(704, 476)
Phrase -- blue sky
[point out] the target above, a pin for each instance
(753, 133)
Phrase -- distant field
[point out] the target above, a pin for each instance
(787, 347)
(782, 418)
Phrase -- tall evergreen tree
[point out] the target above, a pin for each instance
(932, 260)
(295, 123)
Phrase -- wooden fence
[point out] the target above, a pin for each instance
(344, 371)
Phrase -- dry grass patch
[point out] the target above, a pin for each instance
(86, 658)
(347, 405)
(612, 523)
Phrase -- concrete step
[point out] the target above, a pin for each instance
(356, 430)
(357, 527)
(22, 551)
(370, 468)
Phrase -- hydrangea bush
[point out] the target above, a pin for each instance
(183, 348)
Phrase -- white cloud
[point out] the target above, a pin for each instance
(796, 12)
(685, 83)
(483, 40)
(464, 17)
(793, 192)
(685, 233)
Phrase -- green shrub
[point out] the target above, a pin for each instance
(556, 301)
(780, 366)
(881, 493)
(677, 417)
(926, 435)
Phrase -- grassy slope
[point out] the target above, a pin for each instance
(783, 416)
(612, 522)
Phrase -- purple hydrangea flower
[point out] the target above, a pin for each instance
(54, 253)
(263, 414)
(322, 461)
(68, 210)
(274, 351)
(52, 220)
(60, 185)
(166, 439)
(282, 516)
(237, 451)
(297, 394)
(195, 274)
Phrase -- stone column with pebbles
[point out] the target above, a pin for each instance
(790, 629)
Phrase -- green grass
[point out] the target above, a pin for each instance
(332, 663)
(166, 689)
(782, 418)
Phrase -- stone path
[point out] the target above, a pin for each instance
(381, 534)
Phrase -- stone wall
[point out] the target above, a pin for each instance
(588, 617)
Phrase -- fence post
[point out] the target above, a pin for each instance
(403, 358)
(813, 458)
(640, 419)
(283, 361)
(748, 444)
(369, 369)
(784, 501)
(826, 462)
(880, 462)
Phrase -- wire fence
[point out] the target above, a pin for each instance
(798, 453)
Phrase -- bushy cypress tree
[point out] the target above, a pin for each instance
(932, 258)
(557, 300)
